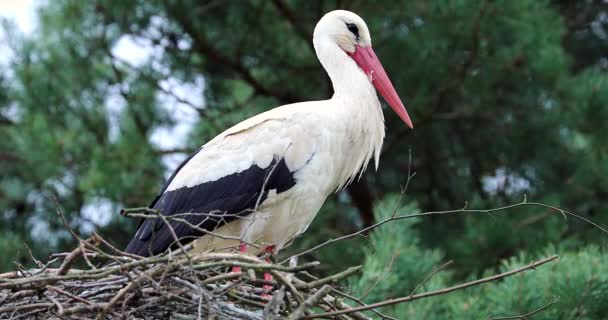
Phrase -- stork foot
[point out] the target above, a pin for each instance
(266, 289)
(242, 249)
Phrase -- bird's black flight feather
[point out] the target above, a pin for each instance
(214, 203)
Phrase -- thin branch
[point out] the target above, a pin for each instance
(529, 314)
(532, 265)
(523, 203)
(72, 256)
(430, 275)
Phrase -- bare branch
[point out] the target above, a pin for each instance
(529, 314)
(532, 265)
(464, 209)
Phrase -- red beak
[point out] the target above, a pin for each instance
(369, 63)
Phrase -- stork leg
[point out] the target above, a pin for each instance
(269, 250)
(242, 249)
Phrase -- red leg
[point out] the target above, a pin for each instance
(267, 276)
(242, 249)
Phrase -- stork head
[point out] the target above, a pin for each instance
(349, 32)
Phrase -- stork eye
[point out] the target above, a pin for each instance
(353, 28)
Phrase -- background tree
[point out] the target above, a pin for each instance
(508, 97)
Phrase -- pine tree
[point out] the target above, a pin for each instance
(508, 98)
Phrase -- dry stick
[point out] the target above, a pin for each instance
(64, 221)
(245, 300)
(82, 308)
(6, 276)
(256, 266)
(525, 316)
(289, 304)
(36, 261)
(462, 210)
(85, 256)
(17, 295)
(57, 304)
(310, 302)
(69, 260)
(289, 285)
(532, 265)
(65, 293)
(225, 276)
(273, 307)
(25, 307)
(26, 315)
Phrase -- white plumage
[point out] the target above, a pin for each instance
(293, 156)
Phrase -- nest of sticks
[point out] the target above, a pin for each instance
(98, 281)
(118, 285)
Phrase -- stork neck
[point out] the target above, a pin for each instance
(348, 80)
(360, 116)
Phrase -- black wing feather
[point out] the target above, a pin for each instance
(166, 185)
(227, 198)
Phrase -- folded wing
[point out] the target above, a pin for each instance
(224, 180)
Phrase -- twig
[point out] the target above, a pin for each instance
(289, 285)
(67, 294)
(523, 203)
(69, 260)
(380, 277)
(529, 314)
(63, 219)
(36, 261)
(26, 307)
(430, 275)
(57, 304)
(114, 249)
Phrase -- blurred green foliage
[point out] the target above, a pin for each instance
(397, 264)
(507, 97)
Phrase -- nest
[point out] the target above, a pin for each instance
(172, 286)
(112, 284)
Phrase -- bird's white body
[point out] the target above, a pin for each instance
(326, 143)
(321, 145)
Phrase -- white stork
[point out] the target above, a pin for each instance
(259, 184)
